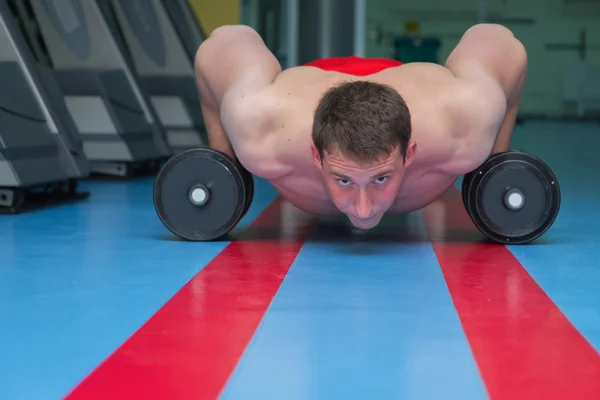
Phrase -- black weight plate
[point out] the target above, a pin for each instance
(513, 170)
(468, 177)
(227, 195)
(249, 191)
(465, 186)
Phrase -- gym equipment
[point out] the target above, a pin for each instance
(249, 178)
(201, 194)
(417, 49)
(320, 33)
(120, 135)
(41, 154)
(190, 32)
(164, 68)
(512, 198)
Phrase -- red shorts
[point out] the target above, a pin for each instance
(353, 65)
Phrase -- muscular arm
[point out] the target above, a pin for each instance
(232, 67)
(491, 60)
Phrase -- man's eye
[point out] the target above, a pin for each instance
(381, 179)
(344, 182)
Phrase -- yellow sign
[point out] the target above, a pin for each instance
(412, 27)
(215, 13)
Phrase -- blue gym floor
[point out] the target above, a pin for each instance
(411, 310)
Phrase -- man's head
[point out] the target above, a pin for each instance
(362, 145)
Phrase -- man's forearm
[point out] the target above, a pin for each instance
(210, 107)
(490, 55)
(231, 67)
(217, 137)
(505, 132)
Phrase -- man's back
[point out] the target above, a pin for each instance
(264, 117)
(285, 110)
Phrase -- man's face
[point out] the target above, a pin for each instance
(363, 192)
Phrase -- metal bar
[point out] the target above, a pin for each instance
(460, 16)
(581, 46)
(360, 27)
(292, 36)
(325, 28)
(568, 46)
(512, 20)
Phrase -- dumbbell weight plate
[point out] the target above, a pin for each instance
(200, 194)
(465, 185)
(514, 197)
(249, 178)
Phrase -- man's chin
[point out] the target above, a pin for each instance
(365, 223)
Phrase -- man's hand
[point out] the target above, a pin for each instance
(494, 62)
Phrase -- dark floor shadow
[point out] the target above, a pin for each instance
(174, 238)
(549, 240)
(392, 231)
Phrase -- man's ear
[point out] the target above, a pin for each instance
(316, 156)
(411, 152)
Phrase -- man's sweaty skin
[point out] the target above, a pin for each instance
(460, 114)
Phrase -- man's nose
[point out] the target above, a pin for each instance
(363, 206)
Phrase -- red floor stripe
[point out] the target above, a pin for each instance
(189, 348)
(524, 346)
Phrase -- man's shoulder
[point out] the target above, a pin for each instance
(291, 87)
(271, 125)
(282, 109)
(452, 124)
(474, 114)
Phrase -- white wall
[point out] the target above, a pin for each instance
(548, 70)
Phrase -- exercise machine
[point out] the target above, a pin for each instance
(190, 32)
(121, 137)
(162, 61)
(41, 153)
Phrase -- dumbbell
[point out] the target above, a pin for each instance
(512, 198)
(201, 194)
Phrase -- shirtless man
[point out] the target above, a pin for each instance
(360, 144)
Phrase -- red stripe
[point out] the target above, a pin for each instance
(189, 348)
(524, 346)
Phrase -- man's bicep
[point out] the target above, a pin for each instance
(235, 58)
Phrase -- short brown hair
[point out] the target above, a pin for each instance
(363, 120)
